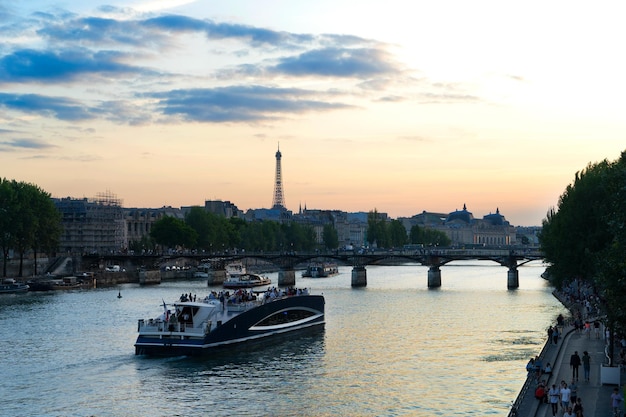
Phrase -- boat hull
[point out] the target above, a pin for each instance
(243, 329)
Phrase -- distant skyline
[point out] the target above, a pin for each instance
(396, 106)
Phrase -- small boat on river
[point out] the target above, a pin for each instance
(10, 286)
(82, 282)
(320, 270)
(247, 280)
(222, 320)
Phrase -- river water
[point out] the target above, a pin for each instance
(394, 348)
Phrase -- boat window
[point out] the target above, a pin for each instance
(286, 317)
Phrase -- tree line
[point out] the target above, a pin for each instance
(584, 238)
(392, 234)
(205, 231)
(29, 220)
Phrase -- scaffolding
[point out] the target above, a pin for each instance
(94, 225)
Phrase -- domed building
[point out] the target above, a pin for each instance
(492, 230)
(463, 229)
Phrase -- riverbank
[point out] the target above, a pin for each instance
(594, 393)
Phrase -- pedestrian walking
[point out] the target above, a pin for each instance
(554, 395)
(565, 395)
(616, 402)
(578, 408)
(555, 335)
(574, 362)
(586, 359)
(574, 392)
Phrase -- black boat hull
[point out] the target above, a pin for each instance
(250, 327)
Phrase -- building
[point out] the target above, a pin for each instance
(463, 229)
(139, 221)
(91, 226)
(222, 208)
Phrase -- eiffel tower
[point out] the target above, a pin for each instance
(279, 199)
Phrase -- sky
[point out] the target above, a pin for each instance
(398, 106)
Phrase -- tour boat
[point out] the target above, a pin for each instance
(322, 270)
(10, 286)
(247, 280)
(193, 328)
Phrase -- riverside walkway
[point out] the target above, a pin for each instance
(596, 397)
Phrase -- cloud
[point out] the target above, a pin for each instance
(157, 31)
(239, 103)
(26, 144)
(101, 52)
(99, 31)
(338, 62)
(30, 65)
(253, 35)
(58, 107)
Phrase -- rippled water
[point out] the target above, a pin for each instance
(394, 348)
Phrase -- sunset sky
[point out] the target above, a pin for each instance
(402, 106)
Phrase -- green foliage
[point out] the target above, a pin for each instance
(428, 237)
(218, 234)
(28, 220)
(397, 234)
(586, 237)
(172, 232)
(377, 231)
(330, 237)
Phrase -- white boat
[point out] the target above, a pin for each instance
(246, 280)
(223, 320)
(320, 270)
(202, 271)
(10, 286)
(235, 269)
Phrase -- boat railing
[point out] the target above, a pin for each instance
(159, 326)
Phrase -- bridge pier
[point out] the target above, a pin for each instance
(286, 278)
(359, 276)
(434, 277)
(216, 277)
(512, 278)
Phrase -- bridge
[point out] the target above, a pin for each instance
(287, 262)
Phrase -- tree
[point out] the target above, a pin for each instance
(200, 221)
(171, 232)
(330, 237)
(585, 237)
(28, 220)
(48, 229)
(397, 234)
(428, 237)
(8, 224)
(377, 229)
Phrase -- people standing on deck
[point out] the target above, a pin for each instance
(586, 359)
(574, 362)
(554, 399)
(555, 335)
